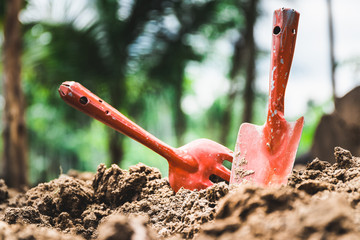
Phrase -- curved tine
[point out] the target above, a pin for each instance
(225, 156)
(222, 172)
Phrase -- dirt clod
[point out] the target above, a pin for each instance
(64, 194)
(171, 213)
(121, 227)
(22, 215)
(115, 186)
(343, 157)
(4, 194)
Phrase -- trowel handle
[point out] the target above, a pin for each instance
(284, 34)
(85, 101)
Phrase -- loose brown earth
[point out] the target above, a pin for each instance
(320, 202)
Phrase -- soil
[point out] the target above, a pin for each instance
(320, 201)
(340, 128)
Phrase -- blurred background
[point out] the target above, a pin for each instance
(182, 70)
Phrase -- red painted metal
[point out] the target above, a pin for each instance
(265, 154)
(190, 166)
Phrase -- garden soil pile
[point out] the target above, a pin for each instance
(319, 202)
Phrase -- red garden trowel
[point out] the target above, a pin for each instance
(190, 166)
(265, 155)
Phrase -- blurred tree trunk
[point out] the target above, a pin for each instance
(118, 36)
(116, 139)
(14, 134)
(331, 49)
(116, 147)
(250, 16)
(170, 70)
(180, 118)
(237, 61)
(243, 59)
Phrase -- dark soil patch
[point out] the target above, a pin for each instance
(320, 202)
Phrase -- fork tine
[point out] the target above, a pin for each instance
(222, 172)
(225, 157)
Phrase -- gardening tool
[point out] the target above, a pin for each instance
(265, 155)
(190, 166)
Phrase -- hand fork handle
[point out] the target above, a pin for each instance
(85, 101)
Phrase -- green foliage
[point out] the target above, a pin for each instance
(59, 135)
(134, 56)
(110, 57)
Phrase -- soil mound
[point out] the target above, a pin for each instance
(113, 198)
(256, 213)
(142, 192)
(19, 231)
(320, 176)
(320, 202)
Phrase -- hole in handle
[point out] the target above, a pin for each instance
(83, 100)
(276, 30)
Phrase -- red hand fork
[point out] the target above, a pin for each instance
(190, 166)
